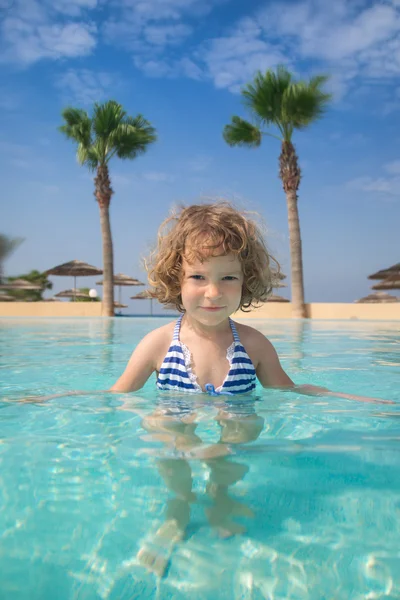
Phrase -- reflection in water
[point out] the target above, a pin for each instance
(178, 433)
(107, 335)
(387, 353)
(300, 328)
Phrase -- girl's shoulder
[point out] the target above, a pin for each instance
(255, 342)
(248, 334)
(156, 343)
(163, 334)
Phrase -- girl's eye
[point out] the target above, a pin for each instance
(197, 277)
(230, 278)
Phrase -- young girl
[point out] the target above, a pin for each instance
(210, 262)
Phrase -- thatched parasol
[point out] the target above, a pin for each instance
(390, 283)
(145, 295)
(119, 305)
(7, 298)
(122, 280)
(276, 298)
(20, 284)
(71, 294)
(378, 297)
(393, 270)
(74, 268)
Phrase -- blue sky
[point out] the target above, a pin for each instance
(181, 63)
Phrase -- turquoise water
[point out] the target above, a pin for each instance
(282, 497)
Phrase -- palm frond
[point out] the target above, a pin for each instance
(132, 137)
(242, 133)
(275, 98)
(264, 96)
(107, 117)
(110, 132)
(77, 125)
(88, 156)
(304, 103)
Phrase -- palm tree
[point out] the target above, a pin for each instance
(109, 132)
(7, 246)
(276, 99)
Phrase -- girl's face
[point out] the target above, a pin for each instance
(211, 290)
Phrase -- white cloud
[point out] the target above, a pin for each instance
(173, 68)
(233, 59)
(393, 167)
(146, 11)
(74, 8)
(387, 186)
(32, 31)
(85, 87)
(120, 180)
(158, 177)
(153, 30)
(333, 30)
(200, 163)
(141, 24)
(345, 38)
(163, 35)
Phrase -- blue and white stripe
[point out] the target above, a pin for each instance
(174, 376)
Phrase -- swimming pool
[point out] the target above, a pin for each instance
(305, 505)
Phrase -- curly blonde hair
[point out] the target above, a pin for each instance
(194, 233)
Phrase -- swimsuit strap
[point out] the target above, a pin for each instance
(177, 328)
(236, 337)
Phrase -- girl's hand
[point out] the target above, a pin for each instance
(40, 399)
(312, 390)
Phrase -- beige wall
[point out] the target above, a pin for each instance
(273, 310)
(50, 309)
(323, 310)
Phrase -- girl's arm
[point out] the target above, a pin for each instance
(142, 363)
(270, 374)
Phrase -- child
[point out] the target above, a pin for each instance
(210, 261)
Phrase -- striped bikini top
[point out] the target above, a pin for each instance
(176, 371)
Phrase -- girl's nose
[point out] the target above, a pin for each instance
(213, 291)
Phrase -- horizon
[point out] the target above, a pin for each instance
(182, 65)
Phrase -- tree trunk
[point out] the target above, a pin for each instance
(103, 195)
(290, 174)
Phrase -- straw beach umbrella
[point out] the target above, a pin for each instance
(74, 268)
(20, 284)
(393, 270)
(71, 294)
(390, 283)
(119, 305)
(378, 297)
(7, 298)
(122, 280)
(145, 295)
(276, 298)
